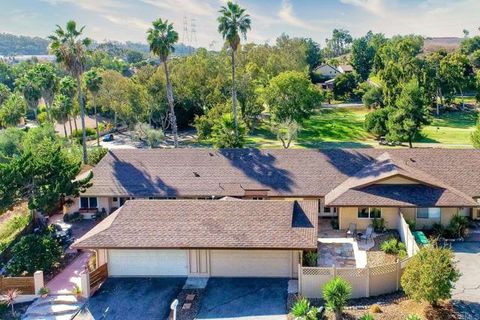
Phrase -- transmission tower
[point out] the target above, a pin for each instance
(193, 34)
(185, 36)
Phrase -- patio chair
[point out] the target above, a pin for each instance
(368, 234)
(352, 230)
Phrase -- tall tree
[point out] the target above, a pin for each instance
(47, 81)
(232, 23)
(93, 81)
(67, 89)
(12, 111)
(408, 115)
(162, 38)
(4, 93)
(70, 50)
(30, 90)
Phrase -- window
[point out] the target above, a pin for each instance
(258, 198)
(363, 212)
(115, 199)
(428, 213)
(369, 213)
(88, 202)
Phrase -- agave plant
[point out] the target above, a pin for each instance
(10, 297)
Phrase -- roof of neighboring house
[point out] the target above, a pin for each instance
(400, 195)
(276, 172)
(242, 224)
(385, 167)
(345, 68)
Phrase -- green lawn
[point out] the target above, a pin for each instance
(343, 127)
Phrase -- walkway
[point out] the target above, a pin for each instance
(64, 282)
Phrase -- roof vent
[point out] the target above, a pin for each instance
(413, 160)
(210, 154)
(196, 174)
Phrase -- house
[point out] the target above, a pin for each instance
(329, 71)
(239, 238)
(174, 224)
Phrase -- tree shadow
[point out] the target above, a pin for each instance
(349, 162)
(260, 166)
(136, 180)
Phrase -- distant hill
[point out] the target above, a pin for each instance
(447, 43)
(13, 45)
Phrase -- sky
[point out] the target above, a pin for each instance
(128, 20)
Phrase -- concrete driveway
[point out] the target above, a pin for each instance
(135, 298)
(467, 290)
(244, 298)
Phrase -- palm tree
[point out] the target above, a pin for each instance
(233, 22)
(93, 81)
(70, 51)
(161, 38)
(47, 81)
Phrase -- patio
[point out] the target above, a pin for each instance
(335, 248)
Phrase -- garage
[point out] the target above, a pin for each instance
(250, 263)
(129, 263)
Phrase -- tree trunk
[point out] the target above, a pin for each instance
(234, 94)
(173, 118)
(437, 103)
(65, 128)
(463, 100)
(96, 119)
(75, 122)
(70, 124)
(338, 315)
(82, 118)
(410, 145)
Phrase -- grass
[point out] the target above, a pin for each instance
(12, 223)
(344, 128)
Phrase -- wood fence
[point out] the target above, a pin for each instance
(365, 282)
(26, 285)
(98, 276)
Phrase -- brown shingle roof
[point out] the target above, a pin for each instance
(230, 172)
(400, 195)
(384, 167)
(207, 224)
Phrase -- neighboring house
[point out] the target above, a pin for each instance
(356, 185)
(329, 71)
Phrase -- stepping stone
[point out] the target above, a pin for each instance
(186, 306)
(190, 297)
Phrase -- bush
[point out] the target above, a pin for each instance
(223, 133)
(412, 224)
(413, 317)
(336, 292)
(457, 226)
(438, 230)
(145, 132)
(34, 252)
(310, 258)
(205, 123)
(302, 309)
(96, 154)
(431, 275)
(379, 225)
(394, 246)
(366, 316)
(334, 223)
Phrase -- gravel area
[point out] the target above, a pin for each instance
(375, 256)
(192, 312)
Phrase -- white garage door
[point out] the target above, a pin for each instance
(250, 263)
(122, 263)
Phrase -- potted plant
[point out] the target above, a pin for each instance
(43, 292)
(77, 291)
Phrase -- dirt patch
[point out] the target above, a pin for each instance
(375, 256)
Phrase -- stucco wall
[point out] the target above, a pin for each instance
(102, 202)
(349, 215)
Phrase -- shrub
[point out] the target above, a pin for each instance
(431, 275)
(379, 225)
(302, 309)
(394, 246)
(413, 317)
(334, 223)
(205, 123)
(34, 252)
(366, 316)
(223, 133)
(457, 226)
(43, 290)
(375, 308)
(96, 154)
(438, 230)
(145, 132)
(336, 292)
(310, 258)
(412, 224)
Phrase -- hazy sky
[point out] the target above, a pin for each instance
(129, 19)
